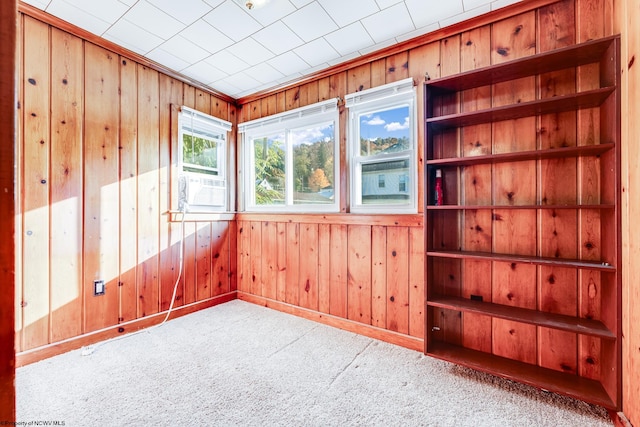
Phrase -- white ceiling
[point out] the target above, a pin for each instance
(238, 52)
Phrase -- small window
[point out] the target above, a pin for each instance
(291, 160)
(382, 129)
(202, 180)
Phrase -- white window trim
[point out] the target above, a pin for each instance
(376, 99)
(186, 118)
(318, 113)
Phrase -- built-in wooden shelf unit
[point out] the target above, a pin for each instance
(523, 250)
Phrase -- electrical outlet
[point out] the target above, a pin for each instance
(98, 287)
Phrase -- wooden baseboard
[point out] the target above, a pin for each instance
(44, 352)
(619, 419)
(396, 338)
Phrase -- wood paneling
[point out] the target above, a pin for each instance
(98, 153)
(8, 98)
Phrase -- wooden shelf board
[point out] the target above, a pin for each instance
(524, 259)
(576, 55)
(551, 153)
(542, 378)
(480, 207)
(556, 104)
(561, 322)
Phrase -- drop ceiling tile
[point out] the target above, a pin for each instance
(349, 39)
(316, 52)
(185, 11)
(344, 58)
(345, 12)
(182, 48)
(165, 58)
(383, 4)
(132, 37)
(232, 21)
(128, 2)
(466, 15)
(426, 13)
(419, 32)
(242, 81)
(153, 20)
(288, 63)
(205, 36)
(278, 38)
(472, 4)
(250, 51)
(388, 23)
(378, 46)
(301, 3)
(214, 3)
(40, 4)
(227, 62)
(502, 3)
(105, 10)
(310, 22)
(224, 87)
(264, 73)
(272, 11)
(78, 17)
(203, 72)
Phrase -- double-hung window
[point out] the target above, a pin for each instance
(291, 160)
(202, 161)
(382, 146)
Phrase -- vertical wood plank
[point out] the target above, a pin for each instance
(66, 185)
(148, 192)
(293, 263)
(101, 205)
(17, 152)
(244, 236)
(308, 282)
(281, 278)
(36, 148)
(397, 67)
(189, 267)
(234, 254)
(269, 259)
(416, 282)
(221, 238)
(292, 98)
(398, 279)
(128, 151)
(379, 276)
(255, 270)
(338, 280)
(359, 78)
(359, 273)
(378, 72)
(324, 267)
(203, 260)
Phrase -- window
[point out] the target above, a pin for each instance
(382, 130)
(291, 160)
(202, 151)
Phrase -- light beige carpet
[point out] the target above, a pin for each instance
(239, 364)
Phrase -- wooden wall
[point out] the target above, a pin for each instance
(8, 15)
(628, 24)
(97, 135)
(374, 280)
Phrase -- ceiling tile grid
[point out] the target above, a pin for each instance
(237, 51)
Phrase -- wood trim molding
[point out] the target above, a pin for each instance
(47, 18)
(8, 99)
(442, 33)
(44, 352)
(413, 220)
(412, 343)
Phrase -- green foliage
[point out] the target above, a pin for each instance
(199, 151)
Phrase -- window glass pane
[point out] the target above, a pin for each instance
(199, 154)
(313, 164)
(269, 173)
(385, 131)
(395, 177)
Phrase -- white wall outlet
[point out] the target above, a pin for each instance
(98, 287)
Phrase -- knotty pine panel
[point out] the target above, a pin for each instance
(397, 279)
(255, 266)
(101, 208)
(269, 260)
(281, 260)
(221, 257)
(203, 260)
(128, 189)
(379, 276)
(338, 280)
(308, 279)
(324, 267)
(359, 273)
(416, 282)
(293, 263)
(18, 208)
(66, 185)
(397, 67)
(36, 146)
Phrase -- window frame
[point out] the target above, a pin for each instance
(194, 122)
(314, 115)
(370, 101)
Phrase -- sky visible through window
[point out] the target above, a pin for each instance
(384, 124)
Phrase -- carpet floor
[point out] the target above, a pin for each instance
(239, 364)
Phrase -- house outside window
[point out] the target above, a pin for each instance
(291, 160)
(202, 162)
(382, 129)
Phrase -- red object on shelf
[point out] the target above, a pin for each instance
(438, 189)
